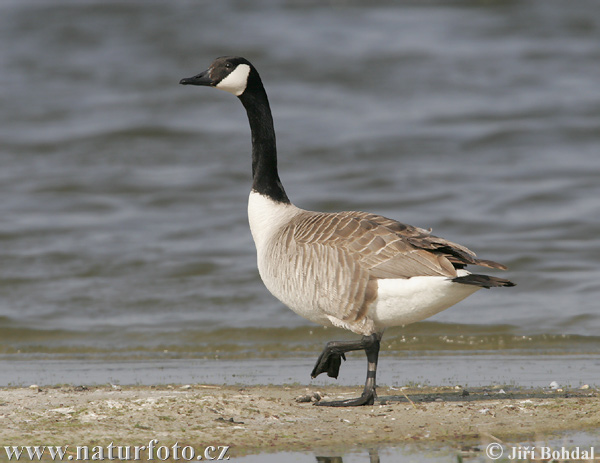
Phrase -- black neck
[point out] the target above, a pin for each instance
(265, 179)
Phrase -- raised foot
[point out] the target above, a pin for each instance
(328, 362)
(364, 399)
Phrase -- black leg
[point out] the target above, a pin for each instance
(330, 359)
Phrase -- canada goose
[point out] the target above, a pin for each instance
(353, 270)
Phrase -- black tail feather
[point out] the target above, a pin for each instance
(484, 281)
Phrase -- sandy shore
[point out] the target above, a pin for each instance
(269, 418)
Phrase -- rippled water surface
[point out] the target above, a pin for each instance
(123, 229)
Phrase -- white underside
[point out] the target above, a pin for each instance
(401, 302)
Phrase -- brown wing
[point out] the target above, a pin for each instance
(422, 239)
(386, 249)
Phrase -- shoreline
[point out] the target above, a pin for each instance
(253, 419)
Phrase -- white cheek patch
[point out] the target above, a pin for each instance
(236, 81)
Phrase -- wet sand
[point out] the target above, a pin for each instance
(270, 418)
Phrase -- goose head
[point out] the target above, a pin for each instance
(229, 73)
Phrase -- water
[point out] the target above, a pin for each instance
(124, 242)
(434, 454)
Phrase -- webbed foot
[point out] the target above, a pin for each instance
(367, 398)
(328, 362)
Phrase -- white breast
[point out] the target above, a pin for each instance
(267, 217)
(276, 262)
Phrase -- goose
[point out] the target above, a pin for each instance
(354, 270)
